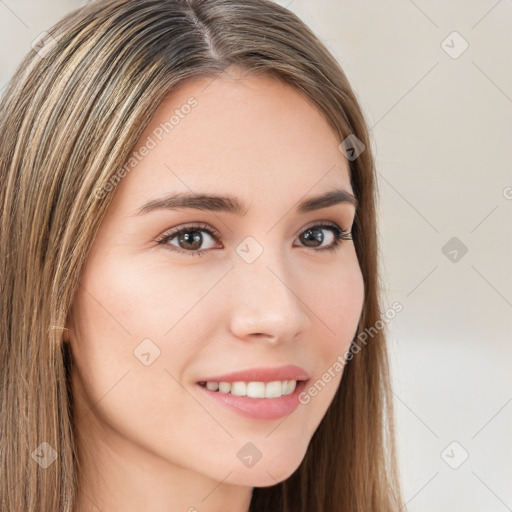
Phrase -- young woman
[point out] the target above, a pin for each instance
(189, 269)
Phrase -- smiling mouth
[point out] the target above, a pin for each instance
(253, 389)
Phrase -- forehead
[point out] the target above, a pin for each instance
(251, 134)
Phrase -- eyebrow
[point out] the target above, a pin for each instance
(230, 204)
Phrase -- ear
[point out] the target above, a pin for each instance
(65, 335)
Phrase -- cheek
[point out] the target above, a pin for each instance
(336, 301)
(133, 298)
(133, 333)
(128, 371)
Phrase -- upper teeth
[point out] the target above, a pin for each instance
(272, 389)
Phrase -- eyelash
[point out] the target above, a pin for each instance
(339, 236)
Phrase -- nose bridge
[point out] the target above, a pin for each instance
(264, 296)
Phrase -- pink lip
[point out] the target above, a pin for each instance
(259, 408)
(263, 374)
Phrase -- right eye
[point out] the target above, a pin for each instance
(189, 238)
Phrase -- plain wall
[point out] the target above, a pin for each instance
(442, 129)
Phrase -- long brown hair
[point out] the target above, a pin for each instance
(69, 119)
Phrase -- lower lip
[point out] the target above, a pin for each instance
(259, 408)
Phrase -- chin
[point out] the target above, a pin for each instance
(266, 474)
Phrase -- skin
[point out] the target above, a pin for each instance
(149, 438)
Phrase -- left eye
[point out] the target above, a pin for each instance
(190, 238)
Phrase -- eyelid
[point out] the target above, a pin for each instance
(319, 222)
(208, 227)
(189, 226)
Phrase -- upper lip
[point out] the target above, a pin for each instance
(262, 374)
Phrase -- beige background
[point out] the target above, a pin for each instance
(442, 131)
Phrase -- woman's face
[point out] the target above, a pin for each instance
(158, 312)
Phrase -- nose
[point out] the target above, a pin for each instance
(267, 301)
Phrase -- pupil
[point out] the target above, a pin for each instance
(186, 238)
(310, 235)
